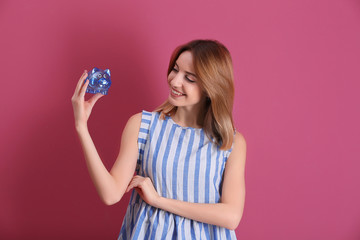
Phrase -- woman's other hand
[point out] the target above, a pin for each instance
(145, 188)
(82, 109)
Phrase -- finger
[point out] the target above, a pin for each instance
(83, 89)
(131, 185)
(80, 82)
(128, 189)
(138, 177)
(136, 181)
(140, 192)
(78, 86)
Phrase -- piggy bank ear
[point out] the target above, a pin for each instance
(107, 71)
(94, 70)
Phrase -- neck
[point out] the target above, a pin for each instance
(189, 117)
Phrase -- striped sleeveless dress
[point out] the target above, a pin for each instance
(183, 164)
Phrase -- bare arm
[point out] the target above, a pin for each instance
(227, 213)
(109, 185)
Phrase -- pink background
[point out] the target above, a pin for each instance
(297, 103)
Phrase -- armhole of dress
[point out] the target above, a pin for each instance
(143, 137)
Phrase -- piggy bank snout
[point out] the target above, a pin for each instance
(103, 83)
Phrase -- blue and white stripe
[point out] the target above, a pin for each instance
(184, 164)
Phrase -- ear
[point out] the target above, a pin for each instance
(107, 71)
(94, 70)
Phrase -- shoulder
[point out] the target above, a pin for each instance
(238, 153)
(142, 115)
(135, 119)
(239, 141)
(133, 124)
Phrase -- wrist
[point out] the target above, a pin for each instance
(159, 202)
(81, 127)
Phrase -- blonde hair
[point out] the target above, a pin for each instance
(214, 71)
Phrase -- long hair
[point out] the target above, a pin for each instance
(214, 71)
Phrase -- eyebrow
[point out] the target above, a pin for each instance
(190, 73)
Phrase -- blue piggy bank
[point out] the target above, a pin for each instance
(99, 81)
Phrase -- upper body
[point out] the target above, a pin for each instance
(181, 163)
(193, 102)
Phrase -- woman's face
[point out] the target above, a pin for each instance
(185, 90)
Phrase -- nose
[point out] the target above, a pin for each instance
(103, 83)
(176, 81)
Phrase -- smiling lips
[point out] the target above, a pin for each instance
(176, 93)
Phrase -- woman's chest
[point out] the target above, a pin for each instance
(184, 168)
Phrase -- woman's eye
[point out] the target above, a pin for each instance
(175, 70)
(187, 78)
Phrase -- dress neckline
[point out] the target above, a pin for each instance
(173, 122)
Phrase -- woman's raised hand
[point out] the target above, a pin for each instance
(82, 109)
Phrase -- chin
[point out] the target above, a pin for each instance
(172, 102)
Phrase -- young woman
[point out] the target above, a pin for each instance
(188, 157)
